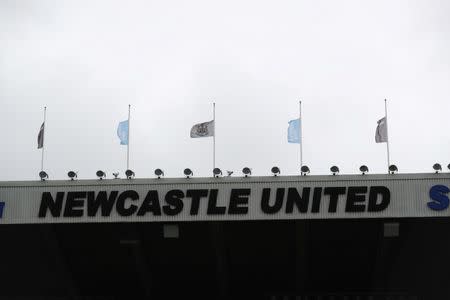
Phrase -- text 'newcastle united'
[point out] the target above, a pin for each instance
(288, 201)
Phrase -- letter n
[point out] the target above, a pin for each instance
(48, 203)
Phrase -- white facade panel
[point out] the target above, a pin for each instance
(237, 199)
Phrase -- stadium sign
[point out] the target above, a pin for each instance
(291, 201)
(226, 199)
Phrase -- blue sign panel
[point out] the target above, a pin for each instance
(2, 205)
(439, 195)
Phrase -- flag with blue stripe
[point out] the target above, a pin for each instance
(122, 132)
(294, 131)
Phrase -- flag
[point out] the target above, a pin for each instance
(381, 135)
(41, 136)
(122, 132)
(294, 131)
(205, 129)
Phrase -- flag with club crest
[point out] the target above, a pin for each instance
(201, 130)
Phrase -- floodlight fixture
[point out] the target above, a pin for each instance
(275, 171)
(188, 172)
(247, 171)
(129, 174)
(43, 175)
(437, 167)
(72, 175)
(334, 170)
(448, 167)
(304, 170)
(100, 174)
(393, 169)
(364, 169)
(159, 173)
(217, 172)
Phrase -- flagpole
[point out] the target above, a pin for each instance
(387, 134)
(43, 139)
(214, 136)
(128, 144)
(301, 133)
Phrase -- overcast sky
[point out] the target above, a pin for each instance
(87, 60)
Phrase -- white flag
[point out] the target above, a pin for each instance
(205, 129)
(381, 135)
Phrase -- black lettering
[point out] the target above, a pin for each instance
(265, 201)
(120, 204)
(150, 203)
(316, 200)
(74, 200)
(293, 197)
(173, 198)
(239, 197)
(355, 195)
(54, 206)
(101, 201)
(196, 195)
(334, 193)
(213, 209)
(373, 197)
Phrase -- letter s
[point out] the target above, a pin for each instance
(438, 194)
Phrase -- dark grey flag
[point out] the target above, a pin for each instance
(381, 135)
(41, 136)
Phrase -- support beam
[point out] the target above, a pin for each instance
(301, 256)
(222, 263)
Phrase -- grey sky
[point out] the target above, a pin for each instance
(87, 60)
